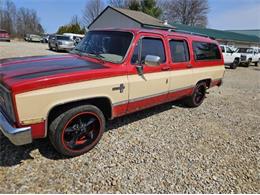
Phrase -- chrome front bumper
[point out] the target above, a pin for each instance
(18, 136)
(66, 47)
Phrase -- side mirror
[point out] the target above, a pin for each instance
(151, 60)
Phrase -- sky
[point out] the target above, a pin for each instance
(223, 14)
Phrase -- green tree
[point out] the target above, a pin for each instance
(73, 27)
(147, 6)
(134, 5)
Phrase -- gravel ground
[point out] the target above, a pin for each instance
(21, 49)
(166, 149)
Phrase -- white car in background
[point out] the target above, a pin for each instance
(252, 55)
(231, 58)
(75, 37)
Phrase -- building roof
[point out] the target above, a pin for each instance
(148, 21)
(254, 32)
(218, 34)
(143, 19)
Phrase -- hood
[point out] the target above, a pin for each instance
(25, 68)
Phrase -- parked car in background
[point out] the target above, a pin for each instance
(74, 36)
(60, 42)
(4, 36)
(45, 38)
(26, 37)
(257, 55)
(252, 55)
(109, 74)
(32, 38)
(231, 58)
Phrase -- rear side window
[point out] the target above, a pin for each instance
(206, 51)
(179, 51)
(150, 46)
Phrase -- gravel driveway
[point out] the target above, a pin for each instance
(166, 149)
(22, 48)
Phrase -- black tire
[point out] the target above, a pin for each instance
(256, 63)
(50, 46)
(56, 48)
(198, 95)
(77, 130)
(234, 64)
(248, 63)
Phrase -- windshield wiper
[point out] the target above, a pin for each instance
(97, 55)
(77, 51)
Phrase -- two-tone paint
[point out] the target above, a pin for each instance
(39, 84)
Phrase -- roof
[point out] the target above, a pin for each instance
(144, 19)
(160, 32)
(218, 34)
(254, 32)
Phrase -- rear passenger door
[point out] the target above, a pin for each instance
(181, 81)
(152, 86)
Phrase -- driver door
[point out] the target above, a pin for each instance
(150, 85)
(229, 55)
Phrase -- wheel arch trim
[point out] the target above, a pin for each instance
(73, 101)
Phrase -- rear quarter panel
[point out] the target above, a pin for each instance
(206, 69)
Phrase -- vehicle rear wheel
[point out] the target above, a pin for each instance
(50, 46)
(234, 64)
(256, 63)
(77, 130)
(198, 95)
(248, 63)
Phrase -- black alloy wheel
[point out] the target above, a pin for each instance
(198, 95)
(77, 130)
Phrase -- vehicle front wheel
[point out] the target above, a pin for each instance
(234, 64)
(198, 95)
(56, 47)
(77, 130)
(256, 63)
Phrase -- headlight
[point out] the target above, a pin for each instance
(6, 103)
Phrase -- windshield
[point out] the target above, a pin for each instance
(65, 38)
(107, 45)
(244, 50)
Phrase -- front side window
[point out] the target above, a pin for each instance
(107, 45)
(179, 51)
(229, 50)
(206, 51)
(150, 46)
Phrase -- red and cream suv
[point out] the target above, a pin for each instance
(111, 73)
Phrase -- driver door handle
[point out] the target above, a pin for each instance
(166, 68)
(189, 66)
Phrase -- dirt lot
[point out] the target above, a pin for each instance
(21, 48)
(166, 149)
